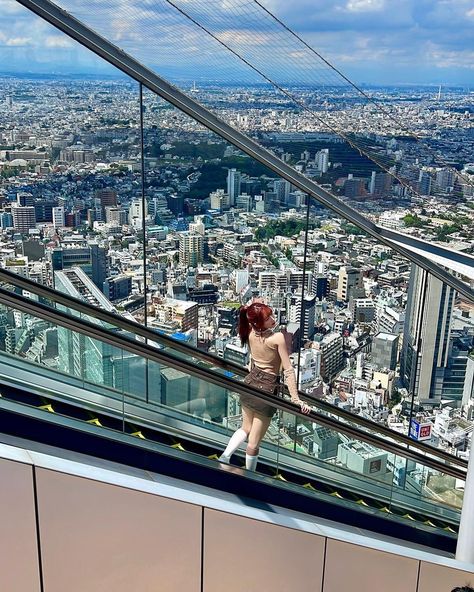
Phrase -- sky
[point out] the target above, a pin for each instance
(371, 41)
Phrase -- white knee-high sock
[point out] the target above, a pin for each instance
(235, 441)
(251, 462)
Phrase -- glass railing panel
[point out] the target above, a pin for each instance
(131, 390)
(71, 173)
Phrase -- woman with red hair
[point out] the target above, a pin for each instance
(268, 354)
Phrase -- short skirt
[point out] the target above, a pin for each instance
(253, 403)
(257, 406)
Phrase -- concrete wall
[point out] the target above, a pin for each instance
(65, 531)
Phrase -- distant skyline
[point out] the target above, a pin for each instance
(372, 41)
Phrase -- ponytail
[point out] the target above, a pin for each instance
(244, 325)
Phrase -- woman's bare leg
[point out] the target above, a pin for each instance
(257, 432)
(239, 436)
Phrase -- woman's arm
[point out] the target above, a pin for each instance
(289, 373)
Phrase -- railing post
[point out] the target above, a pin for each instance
(465, 546)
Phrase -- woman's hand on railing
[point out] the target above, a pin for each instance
(305, 408)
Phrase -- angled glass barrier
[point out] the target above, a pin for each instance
(74, 367)
(175, 196)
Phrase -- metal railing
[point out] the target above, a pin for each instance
(403, 446)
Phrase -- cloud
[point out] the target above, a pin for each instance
(58, 41)
(368, 36)
(365, 5)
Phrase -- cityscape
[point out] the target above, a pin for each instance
(179, 235)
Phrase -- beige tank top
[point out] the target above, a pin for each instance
(264, 352)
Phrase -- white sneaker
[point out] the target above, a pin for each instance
(224, 459)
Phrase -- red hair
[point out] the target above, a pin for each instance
(252, 317)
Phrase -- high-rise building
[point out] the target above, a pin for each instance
(59, 217)
(233, 185)
(197, 227)
(385, 351)
(107, 197)
(176, 204)
(322, 160)
(282, 188)
(320, 286)
(115, 215)
(362, 310)
(424, 183)
(308, 304)
(426, 336)
(219, 200)
(92, 259)
(24, 198)
(191, 249)
(349, 283)
(136, 214)
(6, 220)
(118, 287)
(24, 218)
(445, 179)
(332, 354)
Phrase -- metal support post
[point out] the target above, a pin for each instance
(465, 546)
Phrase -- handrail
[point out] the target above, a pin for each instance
(84, 35)
(144, 350)
(135, 328)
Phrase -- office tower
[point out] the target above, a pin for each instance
(73, 219)
(282, 189)
(44, 209)
(362, 310)
(456, 374)
(115, 215)
(176, 204)
(332, 354)
(354, 187)
(385, 351)
(24, 217)
(308, 304)
(296, 199)
(6, 220)
(59, 217)
(107, 197)
(426, 336)
(322, 160)
(320, 286)
(23, 198)
(244, 202)
(219, 200)
(424, 183)
(445, 179)
(391, 320)
(118, 287)
(174, 387)
(381, 184)
(349, 283)
(241, 279)
(468, 390)
(136, 214)
(326, 443)
(233, 185)
(191, 249)
(91, 259)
